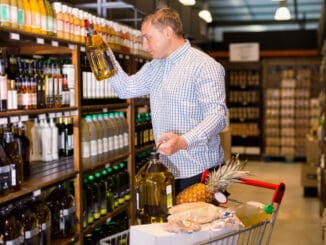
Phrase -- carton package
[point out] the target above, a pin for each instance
(308, 176)
(313, 151)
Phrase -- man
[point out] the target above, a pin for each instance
(187, 97)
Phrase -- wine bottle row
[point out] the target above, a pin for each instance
(143, 129)
(104, 191)
(35, 84)
(103, 136)
(40, 218)
(19, 148)
(118, 223)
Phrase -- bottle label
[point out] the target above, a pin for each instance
(43, 23)
(99, 146)
(93, 145)
(125, 139)
(67, 218)
(70, 142)
(36, 20)
(121, 141)
(28, 18)
(85, 147)
(49, 23)
(13, 175)
(13, 15)
(111, 143)
(4, 12)
(169, 198)
(4, 177)
(105, 145)
(20, 17)
(18, 240)
(3, 87)
(116, 142)
(31, 233)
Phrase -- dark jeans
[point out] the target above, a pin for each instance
(181, 184)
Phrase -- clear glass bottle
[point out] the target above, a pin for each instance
(99, 54)
(154, 191)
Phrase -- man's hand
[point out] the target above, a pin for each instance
(170, 143)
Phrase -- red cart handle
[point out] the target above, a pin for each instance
(279, 188)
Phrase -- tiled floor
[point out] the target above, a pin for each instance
(298, 221)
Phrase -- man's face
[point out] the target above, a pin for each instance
(155, 41)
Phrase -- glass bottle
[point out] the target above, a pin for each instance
(63, 213)
(99, 54)
(125, 182)
(16, 161)
(154, 191)
(117, 187)
(24, 148)
(5, 13)
(35, 16)
(5, 180)
(29, 222)
(88, 203)
(110, 188)
(13, 13)
(11, 228)
(43, 214)
(102, 190)
(3, 87)
(97, 196)
(27, 15)
(20, 14)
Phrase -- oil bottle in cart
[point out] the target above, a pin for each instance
(154, 191)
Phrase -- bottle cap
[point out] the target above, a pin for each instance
(268, 208)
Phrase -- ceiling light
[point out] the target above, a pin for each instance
(188, 2)
(282, 12)
(205, 14)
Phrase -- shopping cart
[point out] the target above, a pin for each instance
(253, 235)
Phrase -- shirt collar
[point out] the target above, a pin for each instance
(179, 52)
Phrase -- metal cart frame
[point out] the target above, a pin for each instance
(253, 235)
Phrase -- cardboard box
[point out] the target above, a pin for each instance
(225, 135)
(154, 234)
(309, 176)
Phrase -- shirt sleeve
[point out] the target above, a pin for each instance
(210, 86)
(131, 86)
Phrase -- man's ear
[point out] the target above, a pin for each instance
(168, 32)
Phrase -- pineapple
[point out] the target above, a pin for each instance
(217, 181)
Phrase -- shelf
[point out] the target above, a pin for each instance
(113, 106)
(63, 111)
(144, 148)
(43, 174)
(66, 241)
(110, 161)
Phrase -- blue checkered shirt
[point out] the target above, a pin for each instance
(187, 97)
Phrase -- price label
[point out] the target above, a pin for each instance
(71, 46)
(52, 115)
(74, 113)
(36, 193)
(59, 114)
(40, 40)
(14, 36)
(14, 119)
(107, 165)
(141, 60)
(3, 121)
(105, 109)
(41, 116)
(127, 57)
(66, 113)
(120, 56)
(24, 118)
(82, 49)
(55, 43)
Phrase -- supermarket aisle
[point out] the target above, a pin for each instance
(298, 221)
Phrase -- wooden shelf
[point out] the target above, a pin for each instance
(144, 148)
(115, 106)
(39, 111)
(43, 174)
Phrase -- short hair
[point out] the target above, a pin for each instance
(163, 17)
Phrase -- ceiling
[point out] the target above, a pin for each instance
(228, 15)
(258, 15)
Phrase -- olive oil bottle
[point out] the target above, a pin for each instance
(154, 191)
(99, 54)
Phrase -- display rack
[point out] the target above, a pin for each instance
(243, 87)
(291, 89)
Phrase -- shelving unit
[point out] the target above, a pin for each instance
(291, 88)
(243, 85)
(19, 43)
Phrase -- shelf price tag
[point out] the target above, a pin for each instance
(66, 113)
(24, 118)
(105, 109)
(127, 57)
(39, 40)
(14, 36)
(71, 46)
(59, 114)
(36, 193)
(3, 121)
(74, 113)
(120, 56)
(41, 116)
(82, 49)
(55, 43)
(52, 115)
(14, 119)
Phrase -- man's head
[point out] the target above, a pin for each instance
(162, 32)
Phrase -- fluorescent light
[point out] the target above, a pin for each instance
(282, 12)
(188, 2)
(205, 15)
